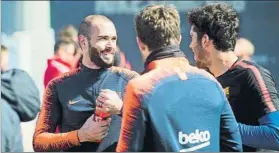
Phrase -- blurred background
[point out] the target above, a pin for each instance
(30, 30)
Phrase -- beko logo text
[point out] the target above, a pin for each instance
(201, 137)
(197, 137)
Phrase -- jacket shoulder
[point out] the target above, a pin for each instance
(65, 76)
(124, 73)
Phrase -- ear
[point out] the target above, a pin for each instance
(82, 42)
(140, 44)
(205, 41)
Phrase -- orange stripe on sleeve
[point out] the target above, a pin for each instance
(130, 109)
(263, 89)
(44, 138)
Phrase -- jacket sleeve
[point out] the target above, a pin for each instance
(133, 126)
(45, 138)
(266, 103)
(264, 136)
(229, 132)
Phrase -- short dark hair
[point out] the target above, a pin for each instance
(60, 43)
(158, 26)
(219, 21)
(85, 29)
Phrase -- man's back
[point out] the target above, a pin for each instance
(197, 101)
(184, 109)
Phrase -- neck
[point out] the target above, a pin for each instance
(164, 52)
(222, 62)
(88, 63)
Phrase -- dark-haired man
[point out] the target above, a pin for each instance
(249, 87)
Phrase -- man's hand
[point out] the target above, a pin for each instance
(109, 101)
(92, 131)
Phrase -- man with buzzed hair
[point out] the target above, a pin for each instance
(70, 100)
(244, 49)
